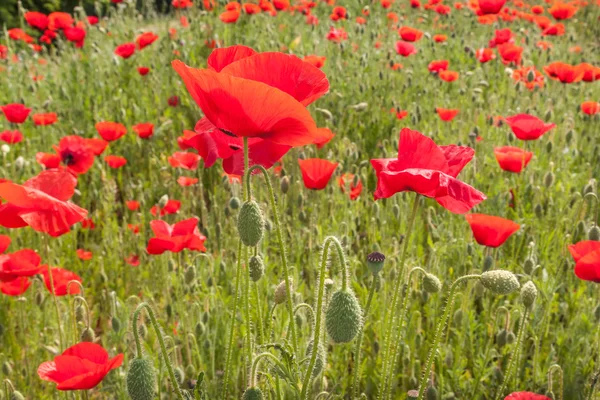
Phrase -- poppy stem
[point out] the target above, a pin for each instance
(555, 368)
(53, 292)
(512, 361)
(257, 359)
(247, 195)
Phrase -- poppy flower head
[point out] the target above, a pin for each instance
(171, 207)
(145, 39)
(440, 38)
(448, 76)
(23, 262)
(144, 130)
(230, 16)
(591, 73)
(316, 172)
(75, 35)
(528, 127)
(525, 396)
(409, 34)
(37, 20)
(587, 260)
(84, 254)
(132, 205)
(438, 65)
(325, 137)
(317, 61)
(80, 367)
(175, 238)
(251, 8)
(336, 35)
(184, 160)
(48, 160)
(490, 6)
(447, 114)
(351, 184)
(405, 49)
(590, 107)
(529, 76)
(59, 20)
(125, 50)
(115, 162)
(92, 19)
(485, 55)
(563, 72)
(502, 36)
(143, 71)
(15, 113)
(110, 131)
(512, 159)
(562, 10)
(45, 119)
(15, 287)
(489, 230)
(11, 137)
(510, 53)
(75, 154)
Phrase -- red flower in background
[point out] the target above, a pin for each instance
(182, 3)
(110, 131)
(523, 75)
(84, 254)
(325, 137)
(76, 35)
(405, 49)
(564, 73)
(173, 101)
(75, 153)
(92, 20)
(490, 6)
(41, 203)
(175, 238)
(144, 130)
(115, 162)
(510, 53)
(440, 38)
(171, 207)
(317, 61)
(60, 279)
(143, 71)
(230, 16)
(587, 260)
(133, 205)
(145, 39)
(352, 184)
(186, 181)
(96, 146)
(590, 72)
(133, 260)
(37, 20)
(11, 137)
(525, 396)
(438, 65)
(45, 119)
(502, 36)
(448, 76)
(59, 20)
(316, 172)
(80, 367)
(590, 107)
(15, 113)
(528, 127)
(125, 50)
(16, 287)
(489, 230)
(409, 34)
(428, 169)
(251, 8)
(512, 159)
(447, 114)
(562, 11)
(484, 55)
(184, 160)
(21, 263)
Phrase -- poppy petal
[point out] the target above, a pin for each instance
(220, 58)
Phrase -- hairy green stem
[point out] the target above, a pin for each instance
(512, 361)
(52, 291)
(257, 360)
(555, 368)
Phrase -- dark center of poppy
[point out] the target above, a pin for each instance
(228, 133)
(234, 147)
(68, 158)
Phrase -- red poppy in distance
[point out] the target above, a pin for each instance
(110, 131)
(316, 172)
(587, 260)
(11, 137)
(61, 278)
(590, 73)
(489, 230)
(132, 205)
(125, 50)
(562, 10)
(15, 113)
(490, 6)
(405, 49)
(145, 39)
(175, 238)
(115, 162)
(37, 20)
(438, 65)
(144, 130)
(186, 181)
(171, 207)
(80, 367)
(325, 137)
(184, 160)
(427, 169)
(447, 114)
(84, 254)
(48, 160)
(75, 153)
(409, 34)
(485, 55)
(352, 182)
(45, 119)
(528, 127)
(143, 71)
(590, 107)
(448, 76)
(564, 73)
(525, 396)
(512, 159)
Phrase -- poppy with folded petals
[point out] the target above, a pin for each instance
(15, 113)
(590, 107)
(48, 160)
(409, 34)
(184, 160)
(175, 238)
(562, 10)
(501, 36)
(563, 72)
(448, 76)
(110, 131)
(510, 53)
(438, 65)
(186, 181)
(182, 3)
(587, 260)
(125, 50)
(528, 127)
(80, 367)
(490, 6)
(15, 287)
(45, 119)
(526, 396)
(133, 205)
(36, 20)
(512, 159)
(75, 153)
(115, 162)
(41, 203)
(143, 71)
(171, 207)
(84, 254)
(405, 49)
(145, 39)
(60, 279)
(144, 130)
(88, 223)
(59, 20)
(316, 172)
(4, 243)
(489, 230)
(25, 262)
(11, 137)
(447, 114)
(590, 73)
(427, 169)
(484, 55)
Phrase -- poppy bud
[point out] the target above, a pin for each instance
(143, 330)
(343, 318)
(500, 281)
(528, 294)
(79, 313)
(569, 136)
(529, 265)
(431, 283)
(6, 368)
(250, 223)
(375, 262)
(549, 147)
(510, 338)
(502, 338)
(169, 310)
(284, 184)
(281, 292)
(256, 268)
(189, 274)
(302, 216)
(190, 371)
(321, 357)
(179, 375)
(234, 203)
(162, 202)
(300, 200)
(539, 211)
(548, 179)
(205, 317)
(16, 395)
(594, 233)
(449, 359)
(141, 379)
(580, 228)
(88, 335)
(530, 76)
(457, 317)
(432, 393)
(488, 263)
(252, 393)
(597, 313)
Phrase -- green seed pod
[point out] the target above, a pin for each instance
(88, 335)
(205, 317)
(432, 393)
(190, 371)
(488, 263)
(549, 179)
(199, 329)
(115, 323)
(80, 313)
(281, 292)
(457, 317)
(141, 380)
(284, 184)
(375, 262)
(594, 233)
(16, 395)
(500, 281)
(189, 274)
(343, 318)
(431, 283)
(549, 147)
(580, 228)
(162, 202)
(252, 393)
(300, 200)
(539, 211)
(256, 268)
(529, 265)
(169, 310)
(234, 203)
(179, 375)
(530, 76)
(502, 337)
(528, 294)
(511, 337)
(321, 358)
(302, 216)
(250, 223)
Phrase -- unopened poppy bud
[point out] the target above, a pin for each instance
(256, 268)
(39, 298)
(199, 329)
(432, 393)
(281, 292)
(396, 211)
(284, 184)
(6, 368)
(250, 224)
(190, 274)
(179, 375)
(502, 338)
(539, 211)
(252, 393)
(488, 263)
(16, 395)
(580, 228)
(79, 313)
(528, 294)
(529, 265)
(190, 371)
(548, 115)
(234, 203)
(141, 379)
(116, 324)
(169, 310)
(375, 261)
(594, 233)
(511, 337)
(321, 357)
(343, 318)
(549, 147)
(302, 216)
(205, 317)
(431, 283)
(449, 359)
(162, 202)
(569, 137)
(500, 281)
(530, 76)
(88, 335)
(457, 317)
(549, 179)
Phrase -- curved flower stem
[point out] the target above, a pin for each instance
(358, 345)
(551, 370)
(317, 331)
(512, 362)
(53, 292)
(161, 342)
(438, 333)
(257, 360)
(282, 252)
(390, 319)
(261, 328)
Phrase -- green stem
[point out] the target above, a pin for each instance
(255, 363)
(54, 297)
(512, 360)
(559, 370)
(438, 333)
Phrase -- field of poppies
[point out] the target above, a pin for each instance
(296, 199)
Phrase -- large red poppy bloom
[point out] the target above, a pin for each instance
(590, 107)
(485, 55)
(175, 238)
(564, 73)
(16, 287)
(37, 20)
(489, 230)
(525, 396)
(75, 153)
(15, 113)
(260, 95)
(587, 260)
(427, 169)
(61, 278)
(79, 367)
(24, 262)
(528, 127)
(316, 172)
(41, 203)
(512, 159)
(501, 36)
(110, 131)
(490, 6)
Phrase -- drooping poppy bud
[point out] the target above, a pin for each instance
(250, 223)
(252, 393)
(256, 268)
(141, 380)
(528, 294)
(500, 281)
(343, 318)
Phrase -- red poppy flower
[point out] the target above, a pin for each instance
(3, 52)
(510, 53)
(554, 30)
(88, 223)
(133, 205)
(24, 262)
(405, 49)
(447, 114)
(528, 127)
(171, 207)
(143, 71)
(75, 153)
(351, 182)
(525, 396)
(125, 50)
(15, 113)
(41, 203)
(448, 76)
(4, 243)
(61, 278)
(185, 181)
(325, 137)
(96, 146)
(182, 3)
(37, 20)
(16, 287)
(336, 35)
(133, 260)
(438, 65)
(45, 119)
(537, 10)
(184, 160)
(587, 260)
(173, 101)
(316, 172)
(144, 130)
(562, 11)
(230, 16)
(145, 39)
(84, 254)
(409, 34)
(317, 61)
(484, 55)
(512, 159)
(175, 238)
(428, 169)
(92, 20)
(564, 73)
(75, 35)
(440, 38)
(284, 83)
(489, 230)
(523, 75)
(590, 72)
(59, 20)
(501, 36)
(590, 107)
(115, 162)
(11, 137)
(134, 228)
(110, 131)
(80, 367)
(251, 8)
(338, 13)
(48, 160)
(490, 6)
(19, 34)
